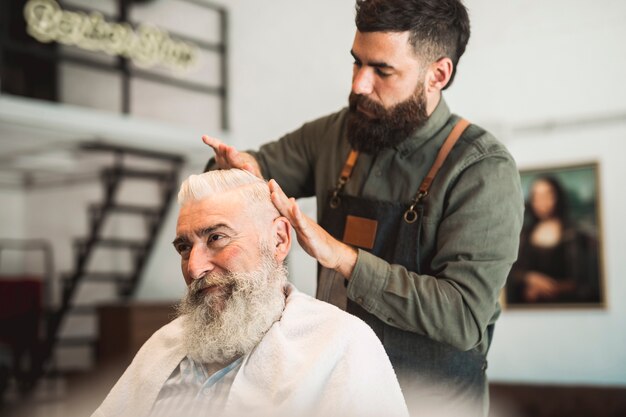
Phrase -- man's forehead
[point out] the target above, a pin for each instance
(382, 45)
(223, 201)
(224, 208)
(382, 38)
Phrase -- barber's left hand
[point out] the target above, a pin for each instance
(318, 243)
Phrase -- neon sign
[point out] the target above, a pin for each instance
(148, 46)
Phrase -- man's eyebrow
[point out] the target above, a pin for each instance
(373, 63)
(203, 232)
(179, 240)
(211, 229)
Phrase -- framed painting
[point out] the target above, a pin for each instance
(560, 257)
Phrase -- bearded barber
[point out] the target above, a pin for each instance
(419, 211)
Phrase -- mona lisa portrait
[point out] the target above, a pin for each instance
(559, 262)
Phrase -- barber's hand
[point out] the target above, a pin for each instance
(327, 250)
(228, 157)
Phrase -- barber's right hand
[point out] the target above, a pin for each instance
(317, 242)
(228, 157)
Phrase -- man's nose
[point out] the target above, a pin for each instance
(362, 81)
(200, 262)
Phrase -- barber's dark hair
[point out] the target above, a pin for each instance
(439, 28)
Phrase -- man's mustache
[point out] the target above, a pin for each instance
(357, 101)
(197, 287)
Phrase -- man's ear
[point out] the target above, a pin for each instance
(282, 238)
(439, 74)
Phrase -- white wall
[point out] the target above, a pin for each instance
(290, 63)
(530, 61)
(12, 227)
(11, 214)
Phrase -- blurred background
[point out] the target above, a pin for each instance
(102, 107)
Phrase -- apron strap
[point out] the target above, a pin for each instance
(346, 173)
(447, 146)
(410, 215)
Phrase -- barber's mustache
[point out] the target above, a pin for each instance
(359, 102)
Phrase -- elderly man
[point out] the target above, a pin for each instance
(245, 340)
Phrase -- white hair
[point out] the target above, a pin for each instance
(198, 187)
(254, 190)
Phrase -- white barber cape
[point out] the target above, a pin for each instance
(317, 360)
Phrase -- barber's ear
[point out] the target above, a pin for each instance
(439, 74)
(282, 234)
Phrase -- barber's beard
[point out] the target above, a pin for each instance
(387, 127)
(220, 327)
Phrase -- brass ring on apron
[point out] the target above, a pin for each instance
(410, 216)
(335, 200)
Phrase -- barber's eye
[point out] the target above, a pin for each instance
(382, 73)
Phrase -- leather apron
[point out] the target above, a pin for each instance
(417, 359)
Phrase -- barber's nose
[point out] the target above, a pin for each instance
(362, 81)
(199, 263)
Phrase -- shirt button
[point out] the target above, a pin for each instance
(390, 319)
(359, 300)
(379, 173)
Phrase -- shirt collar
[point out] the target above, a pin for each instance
(434, 123)
(199, 372)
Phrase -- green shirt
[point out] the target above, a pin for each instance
(471, 226)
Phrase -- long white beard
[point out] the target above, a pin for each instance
(219, 328)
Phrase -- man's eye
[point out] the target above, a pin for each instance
(214, 238)
(382, 73)
(182, 248)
